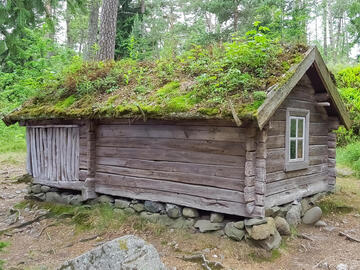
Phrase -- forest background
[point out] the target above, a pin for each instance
(41, 40)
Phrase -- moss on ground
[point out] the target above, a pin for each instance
(199, 83)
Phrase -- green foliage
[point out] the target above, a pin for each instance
(348, 81)
(3, 245)
(12, 138)
(200, 81)
(349, 156)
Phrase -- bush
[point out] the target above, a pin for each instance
(350, 156)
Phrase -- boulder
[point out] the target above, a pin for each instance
(138, 207)
(153, 207)
(208, 226)
(239, 225)
(254, 221)
(273, 242)
(305, 205)
(45, 189)
(54, 197)
(76, 199)
(262, 231)
(234, 233)
(173, 210)
(164, 220)
(282, 226)
(293, 216)
(320, 223)
(36, 189)
(127, 252)
(216, 217)
(105, 199)
(312, 215)
(129, 211)
(190, 212)
(283, 210)
(272, 212)
(122, 204)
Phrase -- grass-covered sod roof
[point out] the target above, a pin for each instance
(203, 82)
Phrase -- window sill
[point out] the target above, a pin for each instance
(296, 165)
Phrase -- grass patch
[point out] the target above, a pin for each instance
(261, 256)
(12, 159)
(350, 156)
(346, 198)
(12, 138)
(3, 245)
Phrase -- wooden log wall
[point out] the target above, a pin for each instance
(333, 125)
(192, 163)
(283, 187)
(53, 153)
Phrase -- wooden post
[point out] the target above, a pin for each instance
(88, 191)
(250, 169)
(333, 125)
(260, 179)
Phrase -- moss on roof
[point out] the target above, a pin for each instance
(200, 83)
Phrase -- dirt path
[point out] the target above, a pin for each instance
(47, 243)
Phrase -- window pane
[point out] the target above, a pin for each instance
(293, 128)
(292, 149)
(300, 149)
(300, 128)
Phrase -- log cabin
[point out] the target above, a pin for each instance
(225, 161)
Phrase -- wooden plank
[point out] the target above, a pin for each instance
(297, 193)
(173, 132)
(28, 151)
(204, 122)
(76, 167)
(170, 166)
(169, 155)
(279, 92)
(280, 175)
(215, 147)
(73, 185)
(292, 183)
(232, 208)
(195, 179)
(207, 192)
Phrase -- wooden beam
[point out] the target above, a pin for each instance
(323, 104)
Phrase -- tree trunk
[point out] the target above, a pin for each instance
(107, 30)
(324, 21)
(331, 32)
(69, 40)
(236, 16)
(93, 29)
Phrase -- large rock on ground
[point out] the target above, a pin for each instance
(127, 252)
(282, 226)
(312, 215)
(54, 197)
(154, 207)
(208, 226)
(262, 231)
(164, 220)
(293, 216)
(216, 217)
(270, 243)
(173, 210)
(190, 212)
(36, 189)
(234, 233)
(122, 204)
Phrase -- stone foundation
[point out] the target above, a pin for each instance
(263, 232)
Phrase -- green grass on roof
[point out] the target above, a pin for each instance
(199, 83)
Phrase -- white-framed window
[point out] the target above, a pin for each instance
(297, 139)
